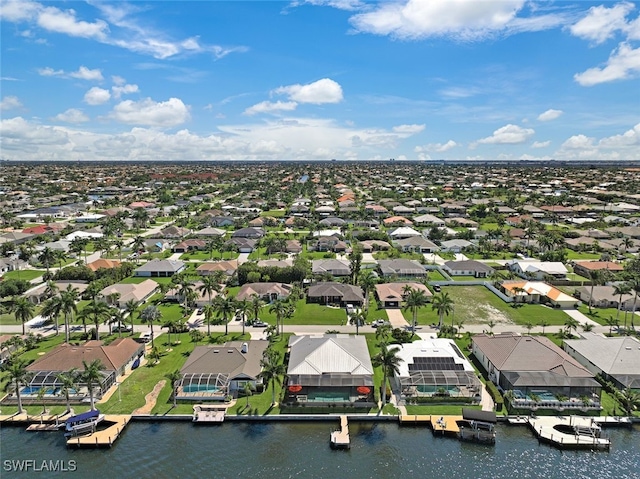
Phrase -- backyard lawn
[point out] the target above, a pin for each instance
(476, 305)
(207, 256)
(25, 274)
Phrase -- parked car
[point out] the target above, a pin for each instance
(200, 311)
(260, 324)
(145, 337)
(122, 329)
(437, 288)
(380, 322)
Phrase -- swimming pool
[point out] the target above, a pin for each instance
(200, 388)
(33, 390)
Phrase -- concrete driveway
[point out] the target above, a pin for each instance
(396, 318)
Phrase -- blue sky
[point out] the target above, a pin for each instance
(320, 79)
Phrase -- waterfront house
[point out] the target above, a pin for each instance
(539, 373)
(616, 359)
(329, 370)
(213, 372)
(435, 368)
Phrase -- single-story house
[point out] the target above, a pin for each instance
(468, 268)
(158, 268)
(156, 245)
(189, 245)
(117, 357)
(213, 372)
(175, 232)
(584, 268)
(229, 267)
(329, 370)
(538, 292)
(455, 245)
(603, 297)
(335, 293)
(374, 245)
(537, 371)
(391, 295)
(401, 267)
(252, 233)
(403, 232)
(532, 269)
(103, 263)
(435, 367)
(39, 293)
(243, 245)
(416, 244)
(209, 232)
(267, 291)
(428, 220)
(616, 359)
(335, 267)
(140, 292)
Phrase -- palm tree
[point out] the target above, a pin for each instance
(248, 390)
(271, 374)
(256, 305)
(359, 317)
(174, 377)
(138, 245)
(51, 289)
(413, 301)
(621, 289)
(23, 310)
(97, 312)
(443, 305)
(596, 277)
(68, 297)
(18, 375)
(130, 308)
(92, 376)
(491, 325)
(611, 322)
(117, 316)
(209, 285)
(171, 325)
(367, 281)
(383, 332)
(627, 243)
(209, 315)
(570, 324)
(635, 287)
(279, 307)
(389, 361)
(243, 308)
(61, 257)
(629, 400)
(149, 315)
(51, 309)
(68, 381)
(544, 323)
(225, 308)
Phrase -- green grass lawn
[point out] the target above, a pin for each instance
(440, 409)
(206, 256)
(309, 313)
(466, 278)
(25, 274)
(274, 213)
(140, 279)
(435, 275)
(477, 305)
(571, 254)
(392, 255)
(599, 315)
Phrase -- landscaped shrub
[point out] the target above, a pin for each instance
(495, 395)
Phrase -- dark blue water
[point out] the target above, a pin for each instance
(295, 450)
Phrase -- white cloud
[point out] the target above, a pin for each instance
(49, 72)
(628, 139)
(625, 147)
(408, 129)
(10, 102)
(319, 92)
(508, 135)
(72, 115)
(339, 4)
(437, 147)
(97, 96)
(147, 112)
(459, 19)
(540, 144)
(268, 107)
(623, 63)
(18, 10)
(56, 20)
(577, 142)
(601, 22)
(119, 90)
(84, 73)
(549, 115)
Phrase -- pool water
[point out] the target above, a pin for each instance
(200, 388)
(29, 390)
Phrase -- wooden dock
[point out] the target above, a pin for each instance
(340, 437)
(45, 427)
(442, 424)
(104, 437)
(415, 419)
(613, 421)
(569, 432)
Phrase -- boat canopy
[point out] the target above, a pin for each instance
(83, 417)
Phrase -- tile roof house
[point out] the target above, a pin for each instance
(602, 296)
(103, 263)
(335, 293)
(329, 370)
(617, 359)
(139, 293)
(335, 267)
(532, 269)
(267, 291)
(468, 268)
(584, 268)
(214, 371)
(160, 268)
(229, 267)
(538, 292)
(417, 244)
(531, 365)
(401, 267)
(391, 295)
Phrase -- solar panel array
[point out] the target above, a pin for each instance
(435, 364)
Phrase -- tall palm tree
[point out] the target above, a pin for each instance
(544, 323)
(272, 372)
(629, 399)
(130, 308)
(209, 316)
(68, 381)
(174, 377)
(570, 324)
(69, 298)
(413, 301)
(209, 286)
(256, 305)
(383, 333)
(116, 316)
(248, 390)
(23, 310)
(621, 289)
(596, 277)
(150, 315)
(359, 317)
(171, 324)
(96, 312)
(51, 289)
(243, 308)
(91, 377)
(225, 309)
(389, 361)
(51, 309)
(18, 375)
(443, 305)
(635, 287)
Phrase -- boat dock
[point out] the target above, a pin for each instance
(340, 437)
(442, 424)
(613, 421)
(208, 413)
(569, 432)
(103, 437)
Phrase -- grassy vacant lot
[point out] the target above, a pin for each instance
(274, 213)
(309, 313)
(581, 255)
(476, 304)
(25, 274)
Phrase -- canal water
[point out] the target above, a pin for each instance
(301, 450)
